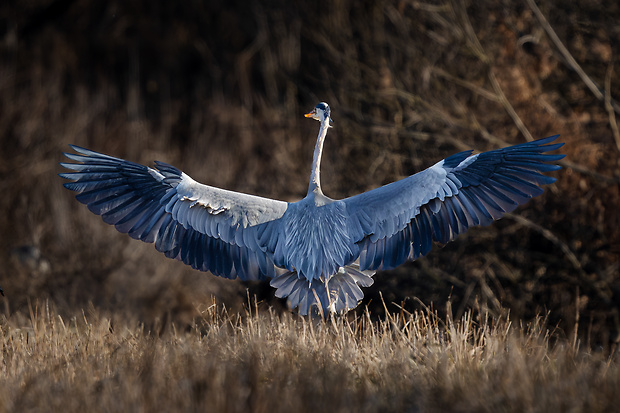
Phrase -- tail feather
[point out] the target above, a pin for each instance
(341, 293)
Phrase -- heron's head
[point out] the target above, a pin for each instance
(320, 112)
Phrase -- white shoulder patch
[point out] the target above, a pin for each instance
(466, 162)
(155, 174)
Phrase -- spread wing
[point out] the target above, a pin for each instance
(398, 221)
(209, 228)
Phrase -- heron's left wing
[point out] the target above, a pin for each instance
(209, 228)
(399, 221)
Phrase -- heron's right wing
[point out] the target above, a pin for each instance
(399, 221)
(208, 228)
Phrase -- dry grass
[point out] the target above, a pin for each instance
(262, 362)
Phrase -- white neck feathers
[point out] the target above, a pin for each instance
(315, 175)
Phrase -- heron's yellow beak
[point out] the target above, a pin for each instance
(310, 114)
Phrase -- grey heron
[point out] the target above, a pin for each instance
(318, 251)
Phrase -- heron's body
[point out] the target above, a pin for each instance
(318, 251)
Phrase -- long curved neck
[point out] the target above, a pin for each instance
(315, 175)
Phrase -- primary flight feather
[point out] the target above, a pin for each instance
(319, 251)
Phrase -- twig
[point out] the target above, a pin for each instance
(551, 237)
(466, 84)
(576, 327)
(568, 57)
(508, 107)
(494, 140)
(614, 180)
(602, 293)
(610, 110)
(478, 50)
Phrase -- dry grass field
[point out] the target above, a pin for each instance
(262, 362)
(522, 315)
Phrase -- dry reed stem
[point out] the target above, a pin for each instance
(570, 60)
(613, 124)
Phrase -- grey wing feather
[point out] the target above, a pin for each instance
(399, 221)
(209, 228)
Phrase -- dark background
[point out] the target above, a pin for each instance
(218, 88)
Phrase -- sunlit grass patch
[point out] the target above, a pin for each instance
(280, 362)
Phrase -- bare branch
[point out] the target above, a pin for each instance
(608, 107)
(569, 58)
(478, 50)
(466, 84)
(570, 255)
(508, 107)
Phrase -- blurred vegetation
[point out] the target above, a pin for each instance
(218, 88)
